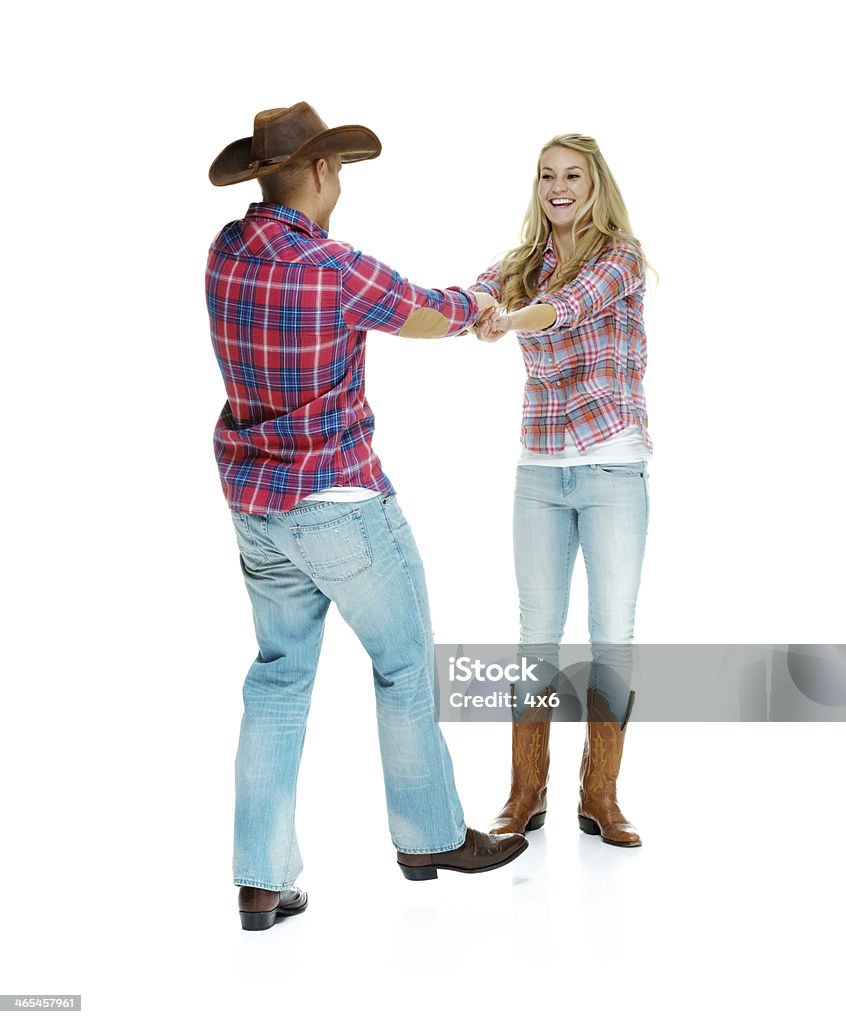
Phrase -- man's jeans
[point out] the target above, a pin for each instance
(363, 557)
(605, 509)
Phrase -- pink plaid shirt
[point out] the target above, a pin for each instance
(585, 372)
(289, 311)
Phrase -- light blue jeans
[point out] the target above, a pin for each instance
(605, 510)
(363, 557)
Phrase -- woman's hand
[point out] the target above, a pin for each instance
(495, 327)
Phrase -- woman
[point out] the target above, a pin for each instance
(573, 291)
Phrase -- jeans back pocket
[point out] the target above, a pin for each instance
(337, 550)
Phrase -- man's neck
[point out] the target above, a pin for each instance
(311, 210)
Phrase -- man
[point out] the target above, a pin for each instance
(315, 515)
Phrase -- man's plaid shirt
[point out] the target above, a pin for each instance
(585, 372)
(289, 309)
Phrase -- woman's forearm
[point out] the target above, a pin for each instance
(536, 317)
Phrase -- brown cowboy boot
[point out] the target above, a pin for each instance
(599, 813)
(260, 908)
(525, 808)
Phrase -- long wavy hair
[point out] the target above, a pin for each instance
(601, 223)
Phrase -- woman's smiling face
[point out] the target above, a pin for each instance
(564, 185)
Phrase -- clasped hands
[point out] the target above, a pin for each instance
(490, 324)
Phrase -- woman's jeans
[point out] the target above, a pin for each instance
(605, 510)
(363, 557)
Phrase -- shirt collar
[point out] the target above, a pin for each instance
(295, 218)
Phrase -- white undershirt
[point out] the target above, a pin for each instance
(627, 446)
(343, 494)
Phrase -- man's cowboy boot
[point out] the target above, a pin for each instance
(525, 808)
(480, 851)
(260, 908)
(599, 813)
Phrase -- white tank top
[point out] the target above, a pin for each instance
(627, 446)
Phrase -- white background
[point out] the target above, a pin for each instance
(127, 628)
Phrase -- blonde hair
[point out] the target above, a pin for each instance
(602, 222)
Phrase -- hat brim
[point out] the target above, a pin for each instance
(352, 142)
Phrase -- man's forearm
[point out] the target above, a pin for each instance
(426, 322)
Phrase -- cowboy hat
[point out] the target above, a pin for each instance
(284, 134)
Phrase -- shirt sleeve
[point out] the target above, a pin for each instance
(375, 297)
(489, 281)
(596, 286)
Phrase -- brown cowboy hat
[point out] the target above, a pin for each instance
(290, 133)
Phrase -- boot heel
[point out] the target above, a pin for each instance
(419, 874)
(536, 821)
(257, 921)
(588, 825)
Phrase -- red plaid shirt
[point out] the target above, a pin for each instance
(585, 372)
(289, 309)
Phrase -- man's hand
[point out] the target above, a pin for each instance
(487, 311)
(487, 308)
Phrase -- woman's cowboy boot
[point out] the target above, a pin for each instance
(599, 813)
(525, 808)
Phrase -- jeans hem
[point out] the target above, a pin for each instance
(438, 849)
(274, 887)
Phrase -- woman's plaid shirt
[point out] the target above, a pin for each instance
(585, 372)
(289, 309)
